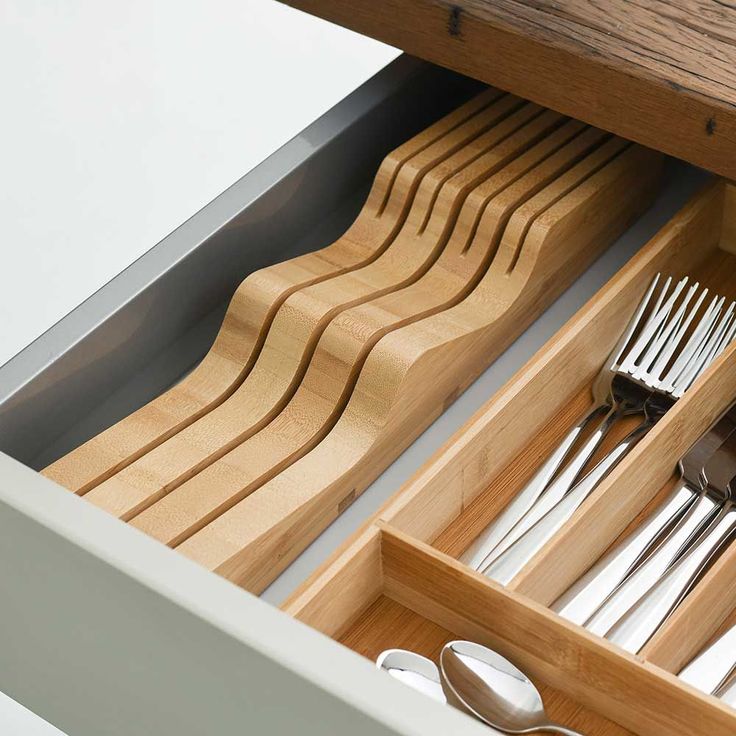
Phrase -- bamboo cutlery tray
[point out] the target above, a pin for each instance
(398, 583)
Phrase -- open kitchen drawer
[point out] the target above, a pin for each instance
(107, 631)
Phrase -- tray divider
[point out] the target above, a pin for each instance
(480, 510)
(391, 563)
(582, 666)
(343, 587)
(498, 433)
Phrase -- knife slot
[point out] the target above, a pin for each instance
(537, 407)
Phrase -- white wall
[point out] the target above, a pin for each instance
(120, 120)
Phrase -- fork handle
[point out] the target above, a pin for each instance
(477, 555)
(582, 599)
(727, 694)
(559, 487)
(646, 576)
(635, 629)
(511, 562)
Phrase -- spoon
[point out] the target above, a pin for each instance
(486, 685)
(414, 670)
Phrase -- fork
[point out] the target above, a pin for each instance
(634, 630)
(715, 475)
(645, 378)
(707, 341)
(587, 595)
(612, 394)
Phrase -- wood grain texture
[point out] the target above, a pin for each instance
(462, 531)
(258, 301)
(662, 73)
(624, 493)
(541, 392)
(387, 624)
(699, 618)
(464, 486)
(412, 374)
(340, 590)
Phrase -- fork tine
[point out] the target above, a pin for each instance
(703, 358)
(694, 344)
(707, 354)
(663, 315)
(729, 334)
(653, 325)
(693, 356)
(653, 375)
(670, 326)
(635, 319)
(717, 344)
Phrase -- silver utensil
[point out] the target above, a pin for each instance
(486, 685)
(413, 670)
(634, 629)
(592, 590)
(608, 397)
(636, 377)
(706, 342)
(716, 475)
(711, 669)
(728, 693)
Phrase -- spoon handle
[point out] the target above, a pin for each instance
(556, 728)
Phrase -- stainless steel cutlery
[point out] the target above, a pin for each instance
(413, 670)
(656, 359)
(665, 360)
(711, 670)
(634, 629)
(617, 581)
(478, 681)
(675, 333)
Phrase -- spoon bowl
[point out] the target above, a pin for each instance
(413, 670)
(489, 687)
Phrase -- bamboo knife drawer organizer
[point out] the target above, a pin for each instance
(398, 582)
